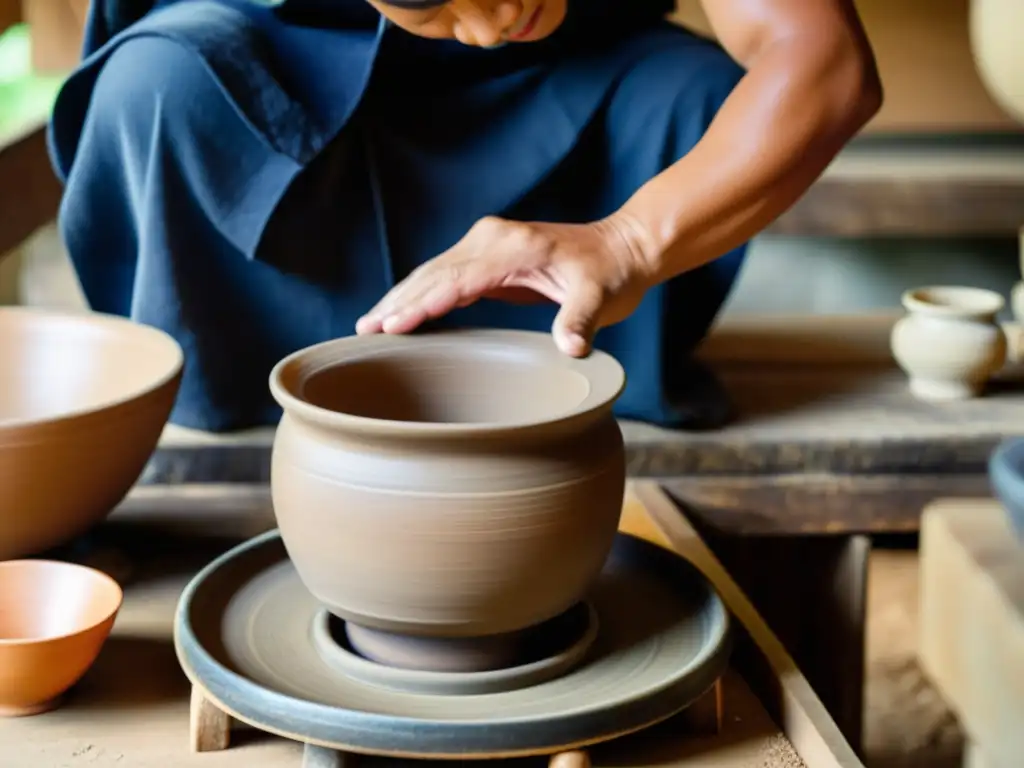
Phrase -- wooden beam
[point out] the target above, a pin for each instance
(10, 13)
(903, 191)
(772, 672)
(29, 190)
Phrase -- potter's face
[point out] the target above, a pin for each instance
(482, 23)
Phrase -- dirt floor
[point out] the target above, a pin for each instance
(906, 723)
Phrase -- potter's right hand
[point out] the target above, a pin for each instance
(597, 273)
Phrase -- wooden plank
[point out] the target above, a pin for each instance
(827, 438)
(783, 688)
(902, 192)
(29, 191)
(816, 503)
(791, 419)
(972, 622)
(811, 592)
(10, 13)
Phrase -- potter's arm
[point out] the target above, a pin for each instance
(810, 86)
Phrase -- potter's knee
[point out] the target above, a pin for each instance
(147, 79)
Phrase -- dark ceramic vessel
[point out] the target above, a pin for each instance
(1006, 474)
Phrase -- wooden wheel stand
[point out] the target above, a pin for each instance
(703, 734)
(210, 731)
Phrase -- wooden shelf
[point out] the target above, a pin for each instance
(827, 439)
(29, 190)
(900, 191)
(868, 192)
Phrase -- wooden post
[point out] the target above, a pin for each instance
(209, 728)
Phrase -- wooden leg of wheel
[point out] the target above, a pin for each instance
(209, 728)
(322, 757)
(704, 716)
(577, 759)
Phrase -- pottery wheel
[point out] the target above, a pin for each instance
(245, 631)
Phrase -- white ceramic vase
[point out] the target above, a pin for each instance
(949, 343)
(997, 27)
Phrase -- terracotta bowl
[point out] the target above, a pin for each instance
(447, 485)
(54, 618)
(83, 400)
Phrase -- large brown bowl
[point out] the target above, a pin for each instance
(454, 484)
(83, 400)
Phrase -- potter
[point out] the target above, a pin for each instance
(949, 343)
(256, 177)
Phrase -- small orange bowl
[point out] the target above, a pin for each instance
(54, 619)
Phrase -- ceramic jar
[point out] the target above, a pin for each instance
(995, 29)
(455, 484)
(949, 342)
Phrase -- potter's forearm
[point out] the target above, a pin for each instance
(799, 104)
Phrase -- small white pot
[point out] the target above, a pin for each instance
(949, 343)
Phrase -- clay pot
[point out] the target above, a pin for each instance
(995, 29)
(949, 343)
(448, 485)
(1006, 475)
(54, 618)
(83, 400)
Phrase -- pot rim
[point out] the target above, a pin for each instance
(84, 572)
(126, 328)
(953, 301)
(604, 374)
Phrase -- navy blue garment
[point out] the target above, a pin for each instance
(252, 179)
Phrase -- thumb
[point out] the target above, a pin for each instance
(576, 323)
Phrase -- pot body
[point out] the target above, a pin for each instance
(449, 536)
(948, 357)
(996, 30)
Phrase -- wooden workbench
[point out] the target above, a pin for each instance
(132, 708)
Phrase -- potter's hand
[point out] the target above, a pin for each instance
(595, 272)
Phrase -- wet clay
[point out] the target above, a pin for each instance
(244, 635)
(83, 401)
(450, 485)
(469, 666)
(54, 618)
(542, 650)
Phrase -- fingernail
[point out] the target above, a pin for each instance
(390, 323)
(574, 345)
